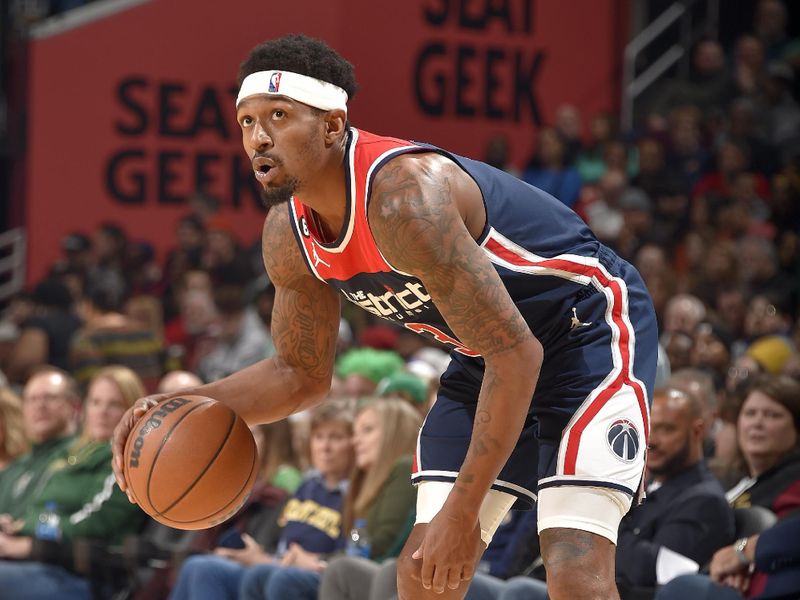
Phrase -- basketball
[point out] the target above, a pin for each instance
(190, 462)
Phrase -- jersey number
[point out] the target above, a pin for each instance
(440, 336)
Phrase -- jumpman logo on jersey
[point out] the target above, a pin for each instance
(575, 322)
(317, 259)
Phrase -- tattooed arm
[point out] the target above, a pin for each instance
(305, 323)
(416, 216)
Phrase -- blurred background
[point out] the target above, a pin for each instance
(122, 110)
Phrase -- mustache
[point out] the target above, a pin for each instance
(269, 156)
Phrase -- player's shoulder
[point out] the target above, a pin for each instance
(398, 164)
(413, 180)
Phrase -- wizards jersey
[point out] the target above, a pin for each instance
(535, 242)
(588, 420)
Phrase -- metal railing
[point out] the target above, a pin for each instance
(680, 13)
(12, 262)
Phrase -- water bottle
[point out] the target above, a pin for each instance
(49, 525)
(359, 542)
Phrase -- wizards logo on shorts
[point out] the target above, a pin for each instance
(274, 82)
(623, 439)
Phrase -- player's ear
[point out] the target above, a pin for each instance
(335, 123)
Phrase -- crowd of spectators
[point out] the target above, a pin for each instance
(703, 197)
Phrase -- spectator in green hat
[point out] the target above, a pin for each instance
(407, 386)
(363, 368)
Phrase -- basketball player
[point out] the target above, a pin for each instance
(553, 336)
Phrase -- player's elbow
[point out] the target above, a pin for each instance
(529, 353)
(534, 348)
(312, 392)
(305, 387)
(523, 358)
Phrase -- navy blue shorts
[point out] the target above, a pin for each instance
(589, 417)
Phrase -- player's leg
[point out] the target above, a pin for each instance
(589, 480)
(578, 533)
(431, 496)
(443, 443)
(586, 491)
(579, 565)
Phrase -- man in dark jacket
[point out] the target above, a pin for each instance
(685, 512)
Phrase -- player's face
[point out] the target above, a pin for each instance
(367, 436)
(284, 140)
(47, 412)
(104, 408)
(332, 449)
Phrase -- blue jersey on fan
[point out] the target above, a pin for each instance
(312, 518)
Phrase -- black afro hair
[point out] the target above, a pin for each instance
(301, 54)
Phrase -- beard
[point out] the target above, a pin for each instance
(279, 195)
(674, 464)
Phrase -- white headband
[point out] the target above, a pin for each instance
(314, 92)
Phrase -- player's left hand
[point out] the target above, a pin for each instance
(449, 550)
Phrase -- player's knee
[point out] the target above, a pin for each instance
(408, 569)
(579, 564)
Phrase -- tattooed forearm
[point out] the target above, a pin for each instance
(483, 444)
(483, 441)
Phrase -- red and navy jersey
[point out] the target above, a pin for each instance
(542, 250)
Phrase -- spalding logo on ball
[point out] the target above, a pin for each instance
(190, 462)
(623, 439)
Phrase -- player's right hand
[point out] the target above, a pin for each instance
(123, 430)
